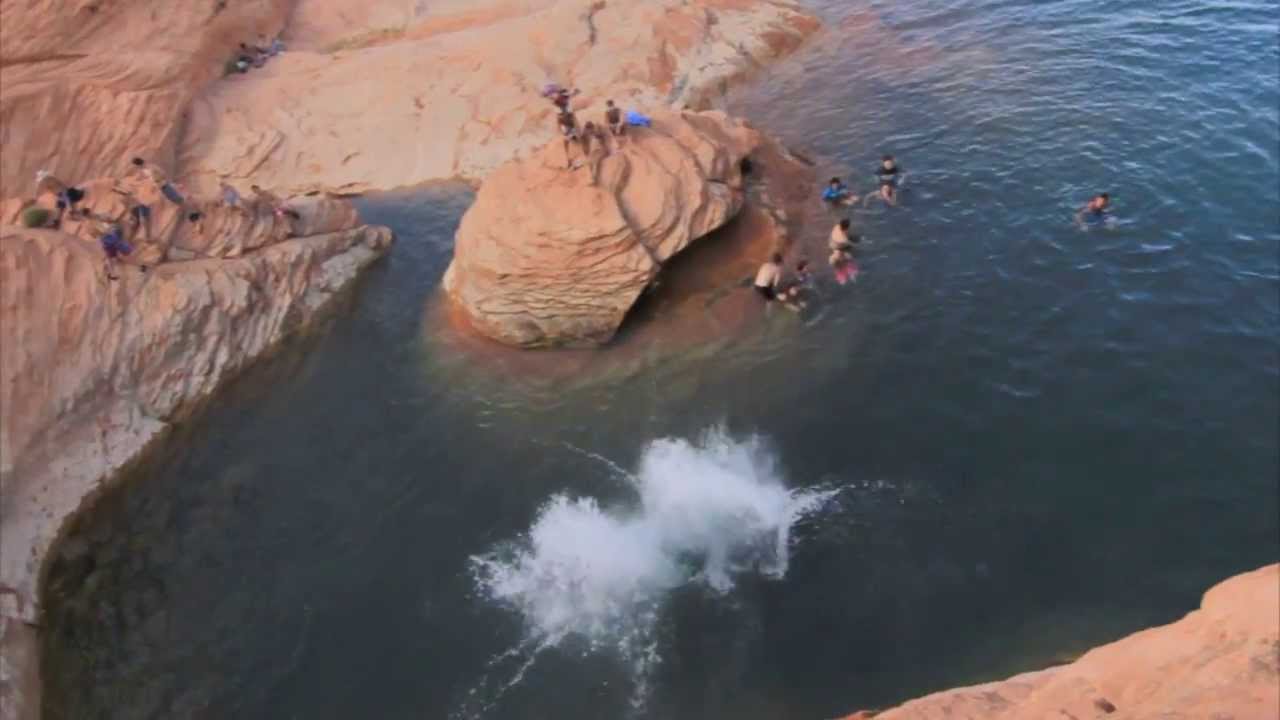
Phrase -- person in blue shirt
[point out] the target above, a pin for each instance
(837, 192)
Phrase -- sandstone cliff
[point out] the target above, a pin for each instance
(86, 85)
(548, 256)
(391, 93)
(1221, 662)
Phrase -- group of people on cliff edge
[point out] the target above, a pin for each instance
(118, 234)
(589, 135)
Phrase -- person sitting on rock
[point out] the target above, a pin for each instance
(613, 119)
(837, 193)
(65, 196)
(569, 131)
(160, 180)
(768, 277)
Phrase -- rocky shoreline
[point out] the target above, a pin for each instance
(1219, 662)
(96, 372)
(375, 96)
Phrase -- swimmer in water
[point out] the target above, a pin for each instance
(792, 293)
(1096, 209)
(842, 262)
(839, 239)
(890, 176)
(837, 193)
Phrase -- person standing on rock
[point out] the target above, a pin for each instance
(768, 277)
(160, 180)
(139, 215)
(562, 97)
(569, 131)
(592, 133)
(613, 119)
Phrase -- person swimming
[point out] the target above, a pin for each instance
(792, 292)
(768, 277)
(1094, 210)
(841, 258)
(889, 175)
(839, 239)
(838, 193)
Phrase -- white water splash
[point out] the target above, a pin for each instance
(707, 512)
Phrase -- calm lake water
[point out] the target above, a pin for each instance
(1010, 440)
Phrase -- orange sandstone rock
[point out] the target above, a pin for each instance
(383, 94)
(544, 257)
(1221, 661)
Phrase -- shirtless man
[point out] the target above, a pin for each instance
(568, 125)
(160, 180)
(592, 133)
(768, 277)
(613, 120)
(840, 239)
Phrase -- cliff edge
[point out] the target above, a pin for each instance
(1221, 662)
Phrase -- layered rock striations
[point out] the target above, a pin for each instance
(549, 256)
(384, 94)
(91, 371)
(1219, 662)
(84, 86)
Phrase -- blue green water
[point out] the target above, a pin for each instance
(1027, 438)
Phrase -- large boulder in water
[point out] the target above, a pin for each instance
(548, 256)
